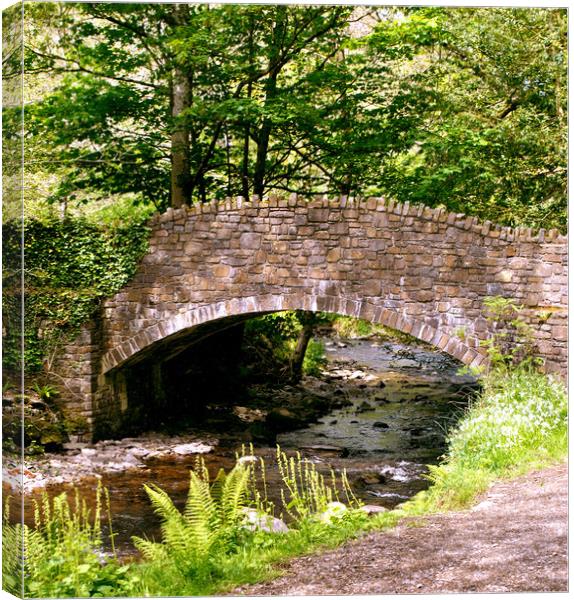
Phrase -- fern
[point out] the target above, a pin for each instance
(234, 494)
(13, 543)
(201, 515)
(195, 539)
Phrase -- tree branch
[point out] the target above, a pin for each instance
(80, 68)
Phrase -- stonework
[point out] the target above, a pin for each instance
(422, 271)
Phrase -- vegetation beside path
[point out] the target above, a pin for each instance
(514, 540)
(516, 425)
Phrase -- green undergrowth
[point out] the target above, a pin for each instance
(517, 425)
(351, 328)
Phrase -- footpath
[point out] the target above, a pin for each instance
(513, 540)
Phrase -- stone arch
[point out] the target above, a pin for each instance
(422, 271)
(264, 304)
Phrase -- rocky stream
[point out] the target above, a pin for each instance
(379, 409)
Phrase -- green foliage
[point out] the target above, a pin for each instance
(45, 392)
(350, 328)
(314, 358)
(274, 338)
(69, 266)
(208, 528)
(347, 327)
(492, 143)
(306, 493)
(64, 554)
(512, 340)
(519, 423)
(522, 412)
(457, 107)
(14, 537)
(212, 543)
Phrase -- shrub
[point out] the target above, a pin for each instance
(64, 552)
(518, 423)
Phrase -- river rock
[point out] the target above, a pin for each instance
(193, 448)
(333, 450)
(404, 363)
(373, 509)
(381, 399)
(247, 459)
(380, 425)
(255, 521)
(249, 415)
(282, 419)
(371, 478)
(365, 407)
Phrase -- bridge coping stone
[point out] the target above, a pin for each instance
(380, 204)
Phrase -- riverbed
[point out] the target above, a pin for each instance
(397, 402)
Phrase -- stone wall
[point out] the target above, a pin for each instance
(422, 271)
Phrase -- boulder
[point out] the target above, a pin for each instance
(371, 478)
(334, 510)
(282, 419)
(193, 448)
(373, 509)
(381, 399)
(255, 521)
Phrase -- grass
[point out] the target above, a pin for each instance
(519, 423)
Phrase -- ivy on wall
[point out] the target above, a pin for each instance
(69, 266)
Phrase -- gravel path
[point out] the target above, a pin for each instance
(513, 540)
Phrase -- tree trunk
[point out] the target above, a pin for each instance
(270, 93)
(245, 161)
(263, 140)
(180, 147)
(179, 143)
(299, 355)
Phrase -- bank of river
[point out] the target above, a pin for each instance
(385, 409)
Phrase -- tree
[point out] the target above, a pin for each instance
(177, 103)
(493, 140)
(139, 75)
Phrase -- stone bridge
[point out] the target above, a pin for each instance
(419, 270)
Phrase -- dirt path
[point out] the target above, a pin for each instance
(513, 540)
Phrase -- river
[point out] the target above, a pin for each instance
(399, 401)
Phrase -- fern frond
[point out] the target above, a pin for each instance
(12, 557)
(217, 485)
(201, 514)
(151, 551)
(234, 494)
(162, 503)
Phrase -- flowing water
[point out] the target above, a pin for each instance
(400, 400)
